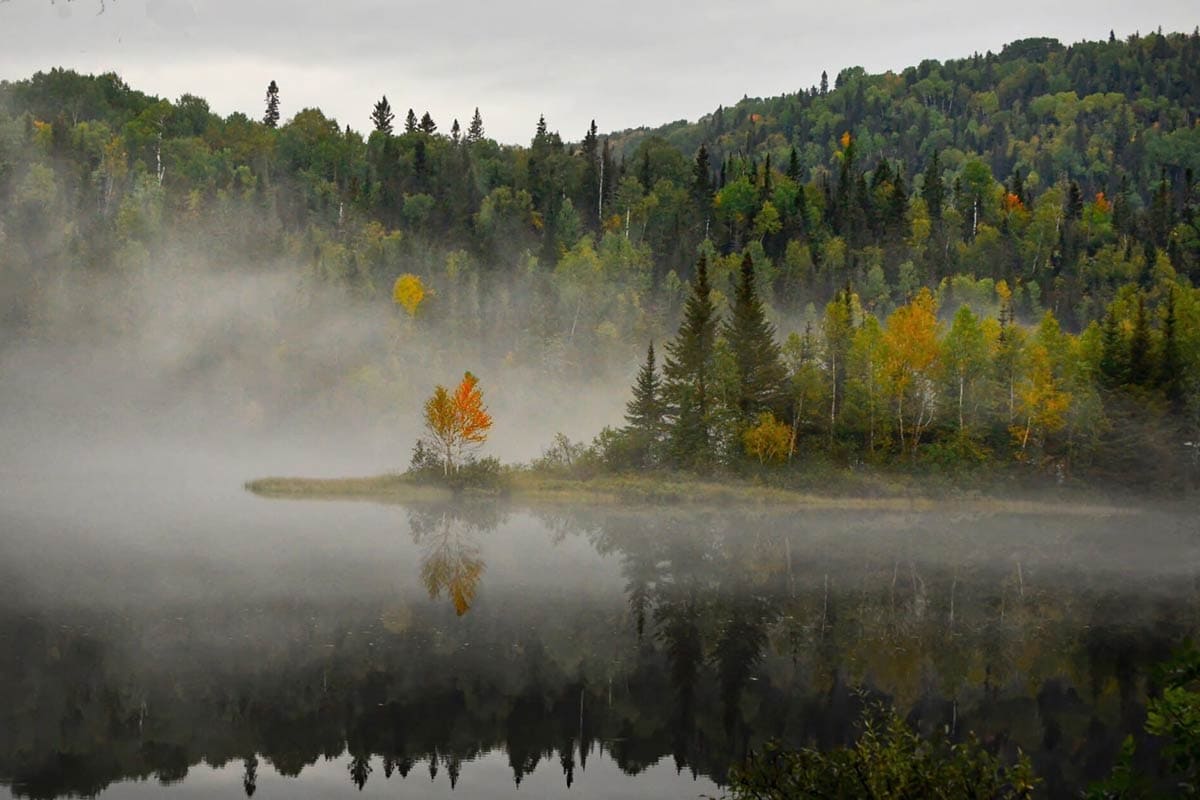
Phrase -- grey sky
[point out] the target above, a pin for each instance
(623, 62)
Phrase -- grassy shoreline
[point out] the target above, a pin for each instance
(528, 488)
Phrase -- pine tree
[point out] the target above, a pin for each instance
(644, 413)
(768, 183)
(1074, 208)
(1114, 362)
(1170, 363)
(455, 131)
(793, 168)
(428, 126)
(702, 183)
(610, 176)
(688, 375)
(382, 116)
(410, 122)
(1141, 358)
(824, 83)
(475, 129)
(590, 186)
(760, 370)
(932, 188)
(271, 116)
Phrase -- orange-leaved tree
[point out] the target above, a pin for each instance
(458, 421)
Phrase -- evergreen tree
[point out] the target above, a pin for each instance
(760, 371)
(590, 186)
(1017, 187)
(702, 183)
(382, 116)
(455, 131)
(428, 126)
(410, 122)
(644, 413)
(689, 373)
(932, 188)
(475, 129)
(610, 176)
(1074, 208)
(271, 116)
(1114, 362)
(793, 168)
(824, 83)
(1170, 363)
(1141, 357)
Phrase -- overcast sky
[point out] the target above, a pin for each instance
(623, 62)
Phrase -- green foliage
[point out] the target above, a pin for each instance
(756, 355)
(689, 373)
(890, 761)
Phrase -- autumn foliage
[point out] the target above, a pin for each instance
(458, 421)
(769, 440)
(408, 292)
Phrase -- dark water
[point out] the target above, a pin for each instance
(179, 633)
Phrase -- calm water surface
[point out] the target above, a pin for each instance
(164, 633)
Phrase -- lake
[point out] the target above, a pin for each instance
(162, 632)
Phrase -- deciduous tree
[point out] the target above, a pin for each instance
(458, 421)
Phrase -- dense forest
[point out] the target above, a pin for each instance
(985, 261)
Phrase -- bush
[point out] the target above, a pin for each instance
(890, 760)
(486, 474)
(426, 463)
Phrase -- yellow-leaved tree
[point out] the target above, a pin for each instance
(409, 292)
(458, 421)
(770, 441)
(910, 363)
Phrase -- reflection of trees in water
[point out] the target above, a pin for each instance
(749, 630)
(451, 561)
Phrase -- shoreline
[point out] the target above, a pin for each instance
(641, 491)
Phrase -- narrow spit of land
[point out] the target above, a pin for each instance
(656, 490)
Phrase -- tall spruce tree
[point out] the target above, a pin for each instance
(271, 115)
(589, 150)
(475, 129)
(689, 373)
(1114, 358)
(382, 116)
(410, 122)
(1170, 362)
(760, 371)
(428, 126)
(702, 193)
(1141, 357)
(932, 188)
(644, 413)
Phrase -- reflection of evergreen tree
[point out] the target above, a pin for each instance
(250, 775)
(360, 769)
(739, 649)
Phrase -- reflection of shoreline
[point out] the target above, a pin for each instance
(752, 626)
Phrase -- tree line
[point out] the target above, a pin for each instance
(1065, 173)
(949, 377)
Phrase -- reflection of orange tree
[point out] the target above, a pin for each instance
(451, 561)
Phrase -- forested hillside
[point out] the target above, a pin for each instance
(990, 258)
